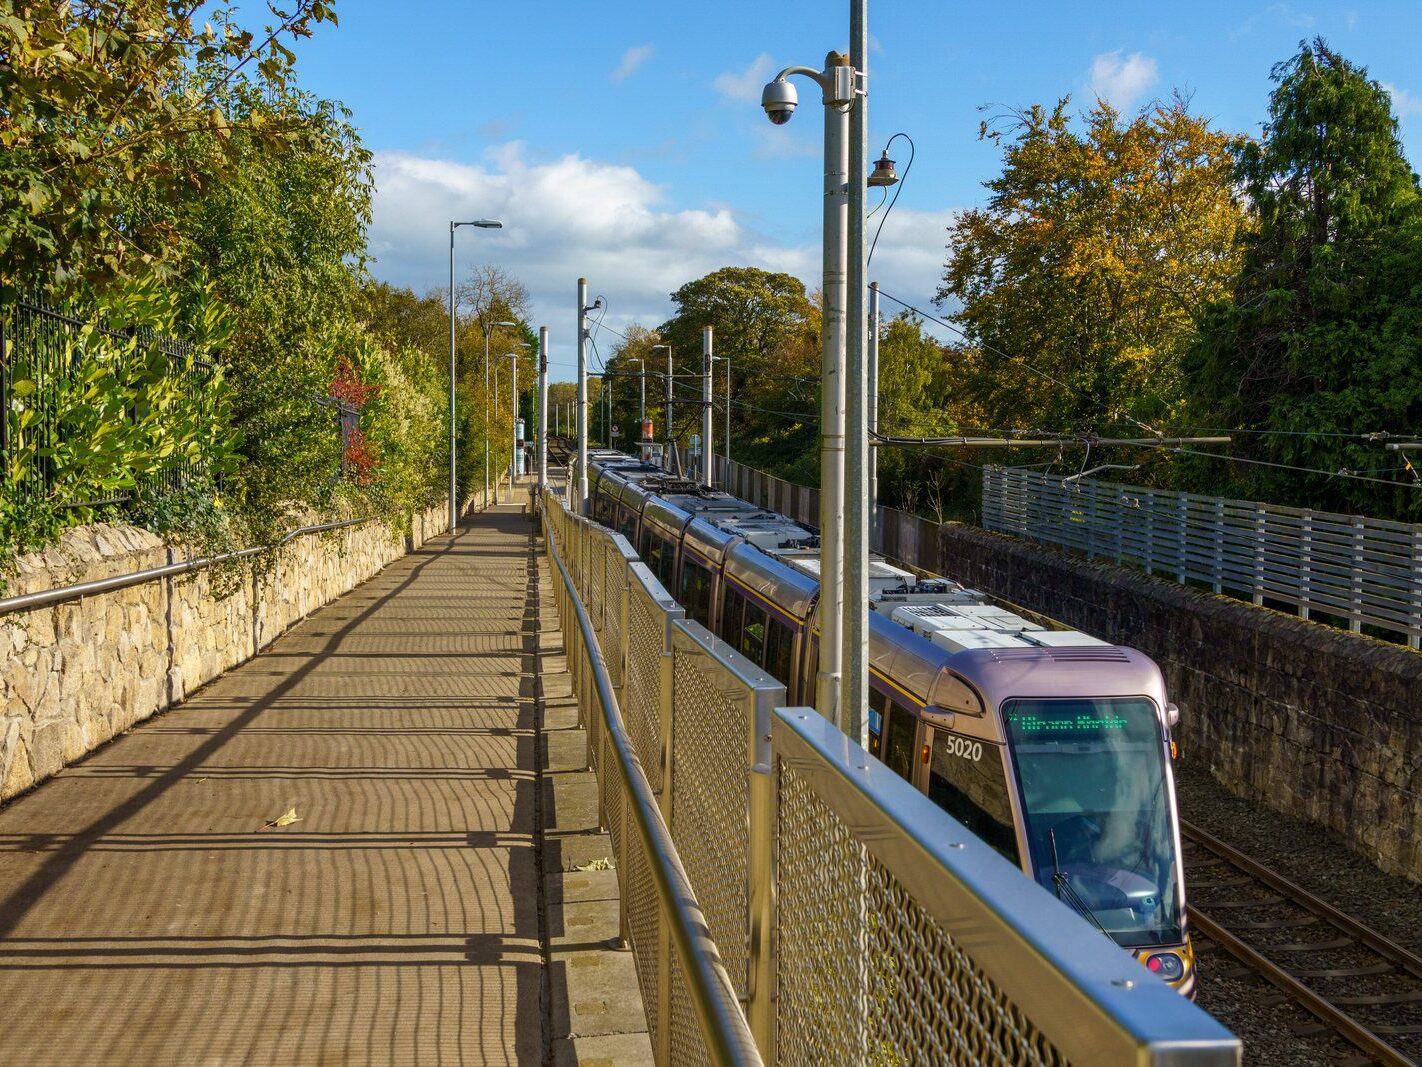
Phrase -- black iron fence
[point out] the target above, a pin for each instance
(40, 359)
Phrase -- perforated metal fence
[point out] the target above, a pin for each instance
(1367, 572)
(853, 921)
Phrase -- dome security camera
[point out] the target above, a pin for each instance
(779, 100)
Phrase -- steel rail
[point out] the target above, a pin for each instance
(1366, 935)
(60, 594)
(723, 1025)
(1340, 1021)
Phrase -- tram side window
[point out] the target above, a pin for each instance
(655, 553)
(752, 644)
(696, 591)
(898, 743)
(779, 644)
(967, 780)
(732, 604)
(878, 707)
(627, 525)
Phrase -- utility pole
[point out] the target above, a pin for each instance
(828, 678)
(581, 500)
(874, 324)
(707, 344)
(542, 412)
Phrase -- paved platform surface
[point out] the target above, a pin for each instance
(147, 918)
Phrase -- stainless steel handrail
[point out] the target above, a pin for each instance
(58, 595)
(723, 1026)
(1089, 999)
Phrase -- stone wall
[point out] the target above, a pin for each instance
(1317, 723)
(75, 674)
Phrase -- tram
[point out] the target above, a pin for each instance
(1051, 746)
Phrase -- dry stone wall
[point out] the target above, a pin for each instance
(75, 674)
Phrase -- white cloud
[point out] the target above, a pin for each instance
(1122, 80)
(1403, 102)
(574, 216)
(631, 60)
(745, 86)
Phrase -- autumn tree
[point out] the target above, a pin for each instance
(769, 327)
(1101, 241)
(1317, 342)
(93, 95)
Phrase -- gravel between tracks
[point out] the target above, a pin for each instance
(1315, 859)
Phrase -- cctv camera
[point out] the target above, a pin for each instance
(779, 100)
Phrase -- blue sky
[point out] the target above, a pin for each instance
(625, 142)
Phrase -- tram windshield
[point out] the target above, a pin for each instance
(1099, 825)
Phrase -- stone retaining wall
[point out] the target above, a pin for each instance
(1317, 723)
(75, 674)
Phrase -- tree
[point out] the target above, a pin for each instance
(1096, 250)
(769, 328)
(1319, 333)
(93, 95)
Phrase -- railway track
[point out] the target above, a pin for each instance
(1355, 981)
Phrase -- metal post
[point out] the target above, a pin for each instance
(855, 721)
(707, 344)
(836, 211)
(582, 497)
(513, 430)
(874, 325)
(486, 414)
(642, 402)
(670, 443)
(453, 503)
(542, 410)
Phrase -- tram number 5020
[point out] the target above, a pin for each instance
(958, 746)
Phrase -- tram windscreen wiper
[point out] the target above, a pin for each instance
(1066, 892)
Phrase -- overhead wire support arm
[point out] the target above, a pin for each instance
(882, 440)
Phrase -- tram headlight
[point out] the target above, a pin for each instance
(1166, 964)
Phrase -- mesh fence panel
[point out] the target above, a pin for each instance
(646, 637)
(645, 924)
(594, 600)
(921, 998)
(614, 634)
(688, 1047)
(710, 806)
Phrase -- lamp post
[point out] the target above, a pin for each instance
(779, 99)
(667, 459)
(581, 499)
(707, 348)
(489, 328)
(726, 445)
(513, 440)
(842, 684)
(483, 224)
(542, 412)
(512, 357)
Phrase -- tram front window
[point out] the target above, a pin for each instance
(1099, 826)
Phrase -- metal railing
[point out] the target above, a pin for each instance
(1359, 570)
(853, 920)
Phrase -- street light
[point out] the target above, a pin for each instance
(513, 425)
(844, 505)
(667, 459)
(514, 357)
(489, 328)
(483, 224)
(779, 99)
